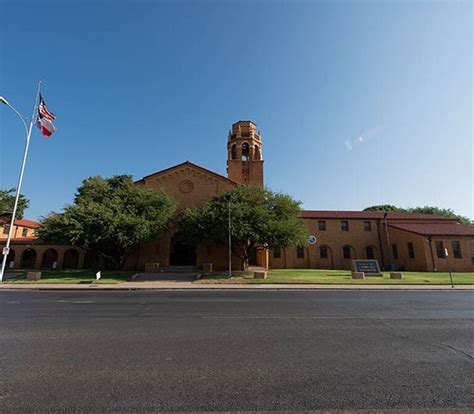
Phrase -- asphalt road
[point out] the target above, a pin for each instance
(233, 350)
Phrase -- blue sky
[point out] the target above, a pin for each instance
(359, 103)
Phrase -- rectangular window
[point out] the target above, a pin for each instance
(367, 226)
(369, 252)
(6, 229)
(300, 252)
(394, 251)
(344, 225)
(411, 250)
(472, 260)
(276, 252)
(322, 225)
(24, 232)
(439, 249)
(346, 252)
(323, 252)
(456, 246)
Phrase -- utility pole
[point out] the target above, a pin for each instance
(388, 241)
(230, 240)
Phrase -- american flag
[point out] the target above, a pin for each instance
(45, 118)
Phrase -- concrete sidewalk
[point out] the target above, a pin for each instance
(163, 285)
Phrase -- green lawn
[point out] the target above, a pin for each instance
(71, 276)
(317, 276)
(320, 276)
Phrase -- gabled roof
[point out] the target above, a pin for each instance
(27, 223)
(192, 165)
(372, 215)
(436, 229)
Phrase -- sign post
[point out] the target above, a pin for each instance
(446, 255)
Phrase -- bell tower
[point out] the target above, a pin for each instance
(245, 159)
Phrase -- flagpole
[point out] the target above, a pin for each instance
(20, 181)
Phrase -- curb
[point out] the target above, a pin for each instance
(203, 287)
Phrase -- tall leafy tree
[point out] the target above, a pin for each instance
(110, 216)
(383, 207)
(260, 218)
(445, 212)
(7, 201)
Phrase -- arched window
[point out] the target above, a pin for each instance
(245, 151)
(257, 154)
(71, 259)
(323, 252)
(348, 252)
(233, 152)
(299, 252)
(50, 256)
(28, 259)
(370, 252)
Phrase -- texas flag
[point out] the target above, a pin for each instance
(45, 118)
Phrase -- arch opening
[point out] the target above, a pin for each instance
(245, 151)
(28, 259)
(71, 259)
(50, 257)
(183, 252)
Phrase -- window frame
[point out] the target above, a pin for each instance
(411, 250)
(344, 225)
(439, 247)
(394, 251)
(367, 225)
(457, 251)
(326, 255)
(322, 225)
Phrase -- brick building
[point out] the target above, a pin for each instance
(404, 240)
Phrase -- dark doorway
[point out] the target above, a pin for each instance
(253, 257)
(50, 256)
(183, 253)
(28, 259)
(71, 259)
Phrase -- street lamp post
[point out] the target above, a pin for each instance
(28, 129)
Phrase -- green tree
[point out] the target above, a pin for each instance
(445, 212)
(7, 201)
(110, 216)
(384, 207)
(260, 219)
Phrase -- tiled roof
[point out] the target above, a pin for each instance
(372, 215)
(27, 223)
(436, 229)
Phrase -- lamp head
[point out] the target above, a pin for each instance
(3, 100)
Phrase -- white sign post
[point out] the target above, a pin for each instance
(446, 255)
